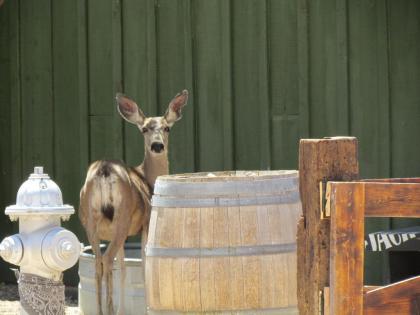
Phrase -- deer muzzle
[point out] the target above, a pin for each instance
(157, 147)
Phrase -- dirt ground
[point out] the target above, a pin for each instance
(9, 300)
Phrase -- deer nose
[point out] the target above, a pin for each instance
(157, 147)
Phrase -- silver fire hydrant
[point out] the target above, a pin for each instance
(42, 249)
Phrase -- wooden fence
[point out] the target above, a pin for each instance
(331, 233)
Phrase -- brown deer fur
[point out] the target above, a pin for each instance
(115, 199)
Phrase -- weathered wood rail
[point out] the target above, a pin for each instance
(333, 215)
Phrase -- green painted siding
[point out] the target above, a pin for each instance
(261, 75)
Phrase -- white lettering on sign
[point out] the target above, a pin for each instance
(383, 241)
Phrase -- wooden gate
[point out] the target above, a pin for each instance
(343, 207)
(347, 205)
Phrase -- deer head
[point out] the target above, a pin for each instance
(154, 129)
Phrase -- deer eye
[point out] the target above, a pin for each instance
(144, 130)
(167, 129)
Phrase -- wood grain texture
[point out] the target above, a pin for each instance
(393, 180)
(139, 69)
(37, 87)
(404, 69)
(71, 103)
(250, 84)
(212, 84)
(175, 73)
(282, 27)
(388, 198)
(392, 200)
(370, 112)
(319, 160)
(207, 281)
(326, 297)
(398, 298)
(346, 249)
(104, 66)
(7, 164)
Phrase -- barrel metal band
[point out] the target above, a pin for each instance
(271, 311)
(221, 251)
(185, 202)
(226, 188)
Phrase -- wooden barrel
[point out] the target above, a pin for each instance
(223, 242)
(134, 283)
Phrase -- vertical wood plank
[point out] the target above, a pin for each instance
(370, 113)
(319, 160)
(139, 69)
(5, 118)
(251, 265)
(342, 92)
(70, 100)
(7, 196)
(37, 86)
(303, 67)
(207, 275)
(70, 97)
(284, 83)
(178, 294)
(236, 268)
(166, 270)
(346, 248)
(104, 47)
(250, 85)
(191, 266)
(221, 264)
(404, 63)
(212, 88)
(264, 237)
(15, 93)
(323, 80)
(174, 57)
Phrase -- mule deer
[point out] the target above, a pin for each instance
(115, 199)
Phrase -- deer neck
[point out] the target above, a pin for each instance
(154, 166)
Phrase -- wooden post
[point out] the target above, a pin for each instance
(320, 160)
(347, 205)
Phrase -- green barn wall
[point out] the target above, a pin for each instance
(261, 75)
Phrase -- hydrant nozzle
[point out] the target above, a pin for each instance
(11, 249)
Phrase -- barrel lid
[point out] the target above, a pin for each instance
(233, 188)
(229, 176)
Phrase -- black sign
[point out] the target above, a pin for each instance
(407, 239)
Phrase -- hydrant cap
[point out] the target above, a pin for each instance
(39, 195)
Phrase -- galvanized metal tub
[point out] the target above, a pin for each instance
(134, 283)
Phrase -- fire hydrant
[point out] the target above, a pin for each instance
(42, 249)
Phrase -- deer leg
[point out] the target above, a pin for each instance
(122, 282)
(94, 241)
(107, 266)
(108, 258)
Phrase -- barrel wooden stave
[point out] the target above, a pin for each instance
(258, 282)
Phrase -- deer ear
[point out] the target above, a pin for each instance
(175, 106)
(129, 110)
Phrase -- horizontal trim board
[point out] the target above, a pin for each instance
(221, 251)
(385, 199)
